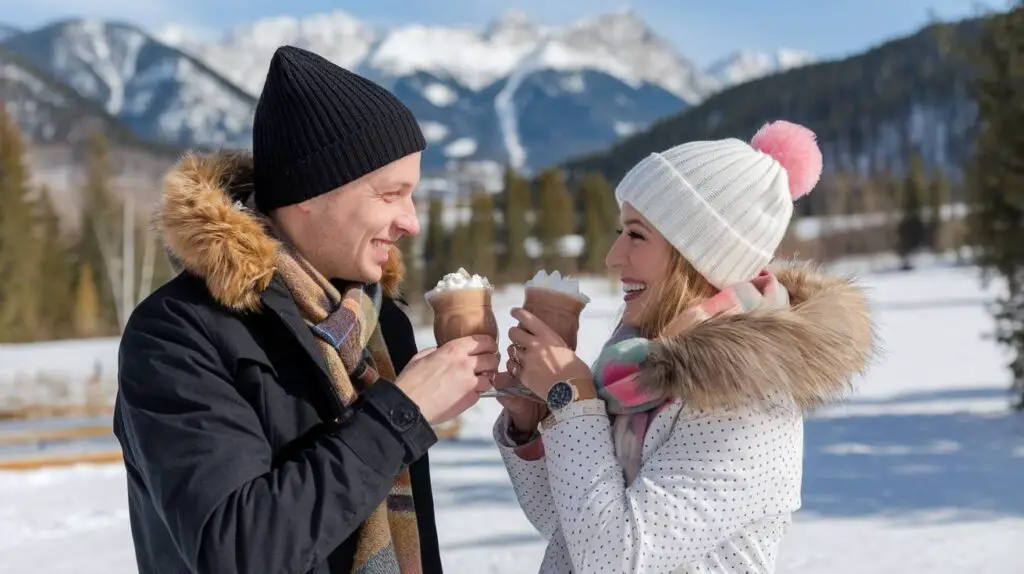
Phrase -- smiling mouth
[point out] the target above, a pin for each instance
(633, 289)
(382, 248)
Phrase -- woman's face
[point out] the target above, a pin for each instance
(641, 256)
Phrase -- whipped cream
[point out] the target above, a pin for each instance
(461, 279)
(555, 282)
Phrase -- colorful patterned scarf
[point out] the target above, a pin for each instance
(617, 368)
(353, 347)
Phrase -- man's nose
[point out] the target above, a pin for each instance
(409, 223)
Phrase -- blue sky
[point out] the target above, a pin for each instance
(703, 30)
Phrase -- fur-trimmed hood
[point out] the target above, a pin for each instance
(809, 351)
(207, 232)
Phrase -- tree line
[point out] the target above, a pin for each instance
(70, 279)
(863, 215)
(529, 224)
(82, 280)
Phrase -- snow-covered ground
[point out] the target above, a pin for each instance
(921, 471)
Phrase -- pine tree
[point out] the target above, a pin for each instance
(481, 234)
(517, 264)
(555, 220)
(836, 207)
(86, 317)
(938, 198)
(19, 266)
(435, 254)
(459, 251)
(911, 231)
(599, 222)
(100, 238)
(996, 177)
(56, 285)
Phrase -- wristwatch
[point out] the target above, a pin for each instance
(561, 395)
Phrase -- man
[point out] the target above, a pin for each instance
(263, 426)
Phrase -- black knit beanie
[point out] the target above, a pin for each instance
(318, 126)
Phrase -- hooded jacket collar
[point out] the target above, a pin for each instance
(208, 232)
(809, 351)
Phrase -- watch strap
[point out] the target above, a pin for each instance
(582, 408)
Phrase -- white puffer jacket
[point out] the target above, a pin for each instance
(721, 466)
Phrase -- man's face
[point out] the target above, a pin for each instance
(347, 233)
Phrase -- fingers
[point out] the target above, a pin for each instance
(483, 383)
(521, 338)
(486, 363)
(527, 320)
(501, 380)
(476, 345)
(467, 401)
(532, 324)
(422, 354)
(536, 328)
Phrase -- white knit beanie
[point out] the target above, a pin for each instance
(725, 204)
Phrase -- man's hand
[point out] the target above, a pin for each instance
(447, 380)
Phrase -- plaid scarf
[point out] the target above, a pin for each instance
(349, 338)
(617, 368)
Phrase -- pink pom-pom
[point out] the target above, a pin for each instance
(796, 148)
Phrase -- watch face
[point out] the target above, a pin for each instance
(560, 395)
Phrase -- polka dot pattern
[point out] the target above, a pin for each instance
(715, 493)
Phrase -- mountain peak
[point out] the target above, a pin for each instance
(514, 26)
(242, 53)
(744, 65)
(161, 92)
(325, 25)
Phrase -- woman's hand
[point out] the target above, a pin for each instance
(540, 358)
(524, 414)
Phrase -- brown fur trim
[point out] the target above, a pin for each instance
(809, 351)
(207, 233)
(394, 273)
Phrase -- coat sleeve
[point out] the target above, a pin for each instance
(203, 456)
(529, 476)
(707, 482)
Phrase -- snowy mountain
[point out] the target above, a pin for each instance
(159, 92)
(45, 108)
(746, 65)
(7, 31)
(511, 91)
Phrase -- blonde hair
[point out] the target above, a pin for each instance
(682, 288)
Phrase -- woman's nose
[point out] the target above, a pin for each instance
(616, 254)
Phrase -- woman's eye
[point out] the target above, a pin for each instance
(635, 235)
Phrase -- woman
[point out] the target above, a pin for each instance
(681, 451)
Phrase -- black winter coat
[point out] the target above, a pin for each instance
(240, 458)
